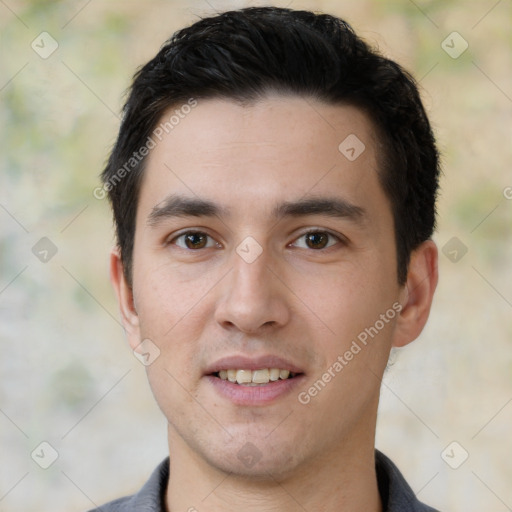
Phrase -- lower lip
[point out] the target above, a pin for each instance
(254, 395)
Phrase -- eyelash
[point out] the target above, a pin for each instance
(189, 232)
(338, 238)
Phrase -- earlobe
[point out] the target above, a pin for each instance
(419, 290)
(124, 293)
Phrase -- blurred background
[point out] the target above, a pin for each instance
(78, 424)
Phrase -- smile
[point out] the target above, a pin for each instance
(255, 377)
(263, 388)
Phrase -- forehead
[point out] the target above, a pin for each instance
(252, 157)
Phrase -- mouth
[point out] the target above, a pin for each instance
(250, 393)
(254, 381)
(259, 377)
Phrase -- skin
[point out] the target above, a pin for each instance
(296, 300)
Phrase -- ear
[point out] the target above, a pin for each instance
(129, 316)
(417, 294)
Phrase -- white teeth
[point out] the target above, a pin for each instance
(274, 374)
(243, 376)
(260, 376)
(253, 378)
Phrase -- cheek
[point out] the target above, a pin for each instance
(356, 348)
(173, 318)
(171, 388)
(172, 298)
(347, 307)
(346, 298)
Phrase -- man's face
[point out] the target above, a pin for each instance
(291, 260)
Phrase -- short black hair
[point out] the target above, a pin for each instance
(243, 55)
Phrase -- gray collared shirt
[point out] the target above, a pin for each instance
(395, 493)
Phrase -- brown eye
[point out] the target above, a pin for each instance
(194, 240)
(317, 240)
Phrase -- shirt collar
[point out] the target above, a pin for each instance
(395, 493)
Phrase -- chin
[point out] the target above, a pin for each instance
(257, 459)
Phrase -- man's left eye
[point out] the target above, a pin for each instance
(194, 240)
(316, 240)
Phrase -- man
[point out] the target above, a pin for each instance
(273, 187)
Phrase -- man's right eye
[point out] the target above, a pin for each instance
(194, 240)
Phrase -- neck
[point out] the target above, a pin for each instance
(341, 480)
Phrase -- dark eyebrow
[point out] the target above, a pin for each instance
(330, 207)
(181, 206)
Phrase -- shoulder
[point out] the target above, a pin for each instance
(119, 505)
(395, 491)
(150, 498)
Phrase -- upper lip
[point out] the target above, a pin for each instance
(252, 363)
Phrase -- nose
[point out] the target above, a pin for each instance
(253, 298)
